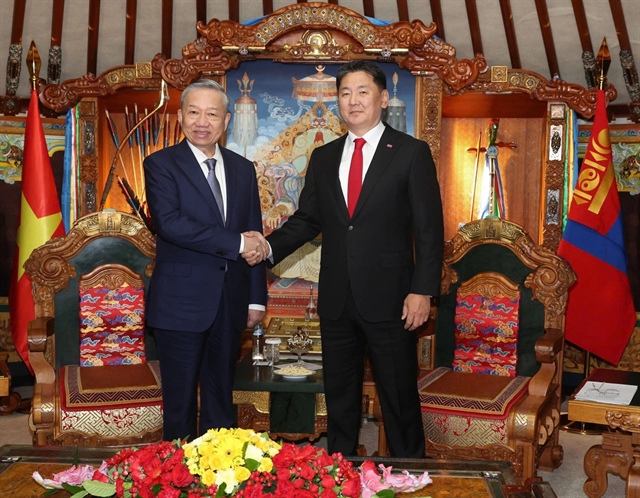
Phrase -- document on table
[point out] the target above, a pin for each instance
(607, 392)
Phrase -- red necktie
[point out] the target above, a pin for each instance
(355, 176)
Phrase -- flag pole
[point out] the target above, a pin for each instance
(602, 63)
(475, 176)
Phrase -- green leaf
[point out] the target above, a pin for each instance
(71, 489)
(52, 491)
(251, 464)
(99, 488)
(80, 494)
(221, 490)
(384, 493)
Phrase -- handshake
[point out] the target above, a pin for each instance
(256, 248)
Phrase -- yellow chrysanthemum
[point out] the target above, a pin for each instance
(190, 451)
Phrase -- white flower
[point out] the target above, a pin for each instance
(253, 453)
(226, 476)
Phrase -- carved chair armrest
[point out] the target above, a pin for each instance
(549, 353)
(39, 331)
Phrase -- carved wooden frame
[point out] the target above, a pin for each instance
(325, 33)
(50, 273)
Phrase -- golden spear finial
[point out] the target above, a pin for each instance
(33, 64)
(603, 61)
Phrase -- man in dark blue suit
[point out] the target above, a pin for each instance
(204, 205)
(382, 244)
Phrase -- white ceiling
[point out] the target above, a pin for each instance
(111, 47)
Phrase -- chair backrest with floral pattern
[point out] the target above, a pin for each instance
(93, 282)
(500, 290)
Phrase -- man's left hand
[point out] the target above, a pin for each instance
(415, 310)
(254, 317)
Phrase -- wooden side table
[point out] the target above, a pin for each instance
(619, 452)
(9, 401)
(254, 390)
(5, 377)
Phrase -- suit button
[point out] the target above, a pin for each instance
(350, 227)
(222, 268)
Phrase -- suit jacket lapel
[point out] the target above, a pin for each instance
(333, 169)
(231, 179)
(385, 151)
(188, 165)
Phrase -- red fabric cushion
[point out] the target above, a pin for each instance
(112, 326)
(486, 332)
(108, 387)
(455, 393)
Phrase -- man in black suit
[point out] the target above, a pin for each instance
(381, 260)
(202, 197)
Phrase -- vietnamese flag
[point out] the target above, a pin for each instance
(40, 220)
(600, 313)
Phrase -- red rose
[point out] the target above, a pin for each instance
(285, 456)
(284, 474)
(181, 476)
(324, 460)
(369, 465)
(328, 493)
(351, 488)
(328, 481)
(306, 471)
(285, 489)
(169, 493)
(145, 492)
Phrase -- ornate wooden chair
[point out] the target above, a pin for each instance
(494, 393)
(97, 379)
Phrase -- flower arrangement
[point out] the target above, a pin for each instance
(231, 462)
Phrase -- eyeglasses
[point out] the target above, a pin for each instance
(598, 391)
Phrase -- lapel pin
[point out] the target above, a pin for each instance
(389, 145)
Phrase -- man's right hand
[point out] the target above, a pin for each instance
(256, 248)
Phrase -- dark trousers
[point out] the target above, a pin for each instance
(392, 351)
(207, 358)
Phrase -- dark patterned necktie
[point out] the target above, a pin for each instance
(355, 176)
(215, 185)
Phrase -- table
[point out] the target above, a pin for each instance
(8, 401)
(480, 479)
(5, 377)
(287, 409)
(619, 452)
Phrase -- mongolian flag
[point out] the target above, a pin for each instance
(40, 220)
(600, 313)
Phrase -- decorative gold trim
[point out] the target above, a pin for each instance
(260, 400)
(551, 277)
(499, 74)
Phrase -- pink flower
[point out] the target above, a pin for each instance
(372, 481)
(74, 476)
(404, 481)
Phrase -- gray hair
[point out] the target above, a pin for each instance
(206, 84)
